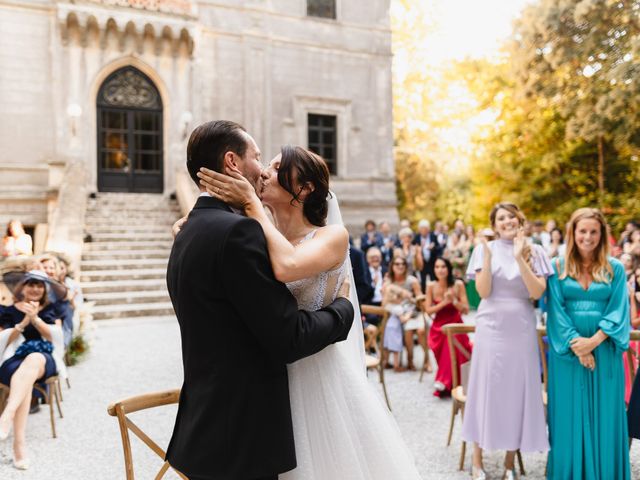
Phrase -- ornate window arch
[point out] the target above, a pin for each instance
(130, 144)
(129, 87)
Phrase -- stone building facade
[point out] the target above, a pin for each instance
(103, 94)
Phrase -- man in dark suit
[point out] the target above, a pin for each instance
(239, 327)
(371, 237)
(429, 247)
(361, 276)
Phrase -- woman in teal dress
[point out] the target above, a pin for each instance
(588, 328)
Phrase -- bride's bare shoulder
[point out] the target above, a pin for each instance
(335, 234)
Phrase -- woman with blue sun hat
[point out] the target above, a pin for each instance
(31, 349)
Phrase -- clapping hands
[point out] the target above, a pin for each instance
(449, 296)
(486, 250)
(30, 309)
(519, 242)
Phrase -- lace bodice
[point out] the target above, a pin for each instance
(319, 291)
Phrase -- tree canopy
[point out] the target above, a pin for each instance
(565, 97)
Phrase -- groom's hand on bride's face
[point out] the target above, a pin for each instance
(345, 288)
(231, 188)
(178, 226)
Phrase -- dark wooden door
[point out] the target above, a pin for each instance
(130, 144)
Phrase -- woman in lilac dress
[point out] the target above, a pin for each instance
(504, 409)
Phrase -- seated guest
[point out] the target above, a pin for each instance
(63, 306)
(364, 291)
(360, 274)
(16, 242)
(389, 242)
(447, 300)
(31, 325)
(66, 278)
(371, 237)
(426, 241)
(402, 291)
(398, 303)
(376, 274)
(376, 277)
(410, 252)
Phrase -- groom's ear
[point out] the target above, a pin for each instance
(229, 162)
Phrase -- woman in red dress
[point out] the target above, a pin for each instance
(447, 300)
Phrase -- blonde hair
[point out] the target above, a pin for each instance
(601, 269)
(514, 210)
(405, 232)
(48, 257)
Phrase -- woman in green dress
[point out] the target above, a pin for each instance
(588, 328)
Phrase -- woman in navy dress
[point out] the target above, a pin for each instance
(31, 316)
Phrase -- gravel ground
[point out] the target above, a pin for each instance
(133, 357)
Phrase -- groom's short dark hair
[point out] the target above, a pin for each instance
(210, 141)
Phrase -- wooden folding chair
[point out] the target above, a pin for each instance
(50, 392)
(134, 404)
(458, 391)
(375, 362)
(425, 317)
(543, 347)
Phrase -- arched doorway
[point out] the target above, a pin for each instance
(130, 147)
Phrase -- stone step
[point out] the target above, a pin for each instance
(104, 312)
(132, 245)
(126, 254)
(129, 297)
(104, 286)
(126, 218)
(119, 264)
(135, 228)
(131, 274)
(133, 205)
(125, 321)
(132, 199)
(131, 236)
(127, 222)
(124, 265)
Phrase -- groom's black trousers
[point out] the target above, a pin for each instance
(272, 477)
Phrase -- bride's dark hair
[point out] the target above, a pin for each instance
(310, 168)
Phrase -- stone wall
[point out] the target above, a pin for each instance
(262, 63)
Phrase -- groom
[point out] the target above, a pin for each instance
(239, 329)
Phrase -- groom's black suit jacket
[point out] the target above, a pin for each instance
(239, 328)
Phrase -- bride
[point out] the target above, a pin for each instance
(342, 430)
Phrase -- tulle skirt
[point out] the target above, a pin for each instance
(342, 428)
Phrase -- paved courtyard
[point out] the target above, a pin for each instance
(131, 357)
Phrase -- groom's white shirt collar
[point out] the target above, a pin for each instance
(235, 210)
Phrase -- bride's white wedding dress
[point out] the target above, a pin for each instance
(342, 429)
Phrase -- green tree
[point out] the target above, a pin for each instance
(565, 100)
(581, 59)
